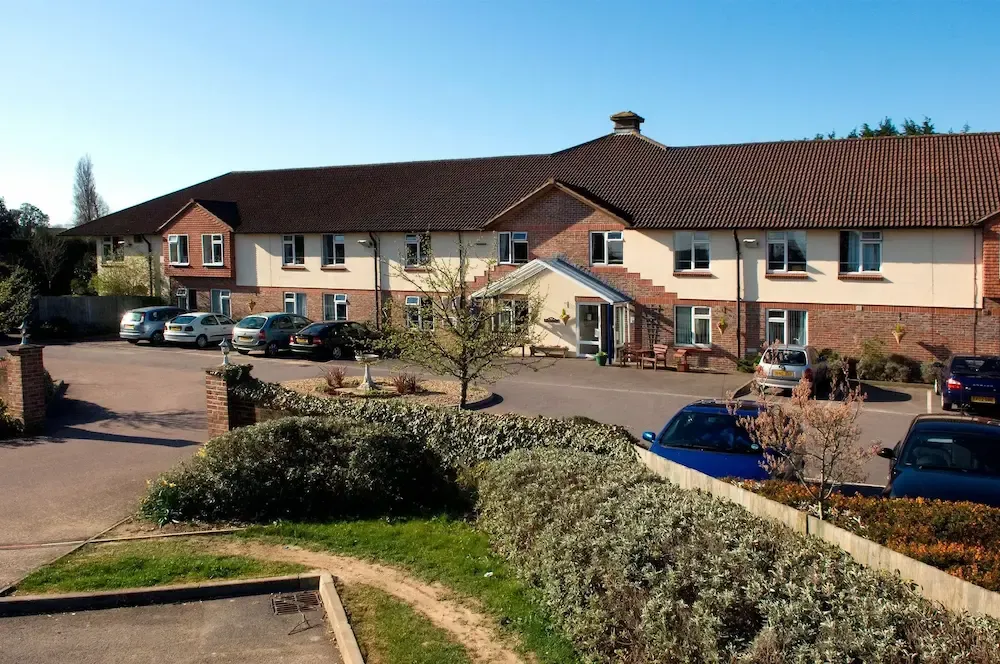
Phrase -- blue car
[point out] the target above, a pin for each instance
(706, 437)
(946, 457)
(969, 381)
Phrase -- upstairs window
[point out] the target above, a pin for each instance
(112, 249)
(295, 303)
(293, 249)
(418, 249)
(693, 326)
(786, 251)
(419, 315)
(607, 248)
(177, 249)
(512, 247)
(860, 251)
(333, 250)
(211, 250)
(692, 251)
(334, 306)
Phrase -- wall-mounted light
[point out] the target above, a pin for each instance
(750, 242)
(365, 243)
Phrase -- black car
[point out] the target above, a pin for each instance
(333, 340)
(947, 457)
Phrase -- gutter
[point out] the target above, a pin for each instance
(149, 261)
(739, 254)
(378, 289)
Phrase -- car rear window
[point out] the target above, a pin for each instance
(975, 365)
(252, 322)
(133, 316)
(784, 356)
(183, 319)
(315, 328)
(948, 450)
(719, 432)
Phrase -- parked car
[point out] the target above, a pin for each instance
(705, 436)
(146, 324)
(947, 457)
(268, 332)
(968, 381)
(198, 328)
(782, 366)
(333, 340)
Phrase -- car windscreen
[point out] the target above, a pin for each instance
(719, 432)
(133, 316)
(970, 366)
(784, 356)
(960, 451)
(183, 319)
(314, 329)
(252, 322)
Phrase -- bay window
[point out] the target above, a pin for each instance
(692, 251)
(786, 327)
(693, 326)
(860, 251)
(607, 248)
(786, 251)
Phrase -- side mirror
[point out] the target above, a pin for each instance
(886, 452)
(649, 436)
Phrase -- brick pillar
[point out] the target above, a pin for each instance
(225, 410)
(26, 386)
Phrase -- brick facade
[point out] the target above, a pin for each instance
(25, 389)
(225, 410)
(195, 221)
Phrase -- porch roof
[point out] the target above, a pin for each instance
(559, 266)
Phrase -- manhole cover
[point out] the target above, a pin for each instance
(284, 604)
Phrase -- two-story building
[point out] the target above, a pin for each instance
(719, 249)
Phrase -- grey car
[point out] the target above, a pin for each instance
(269, 332)
(782, 366)
(146, 324)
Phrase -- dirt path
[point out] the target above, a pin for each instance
(477, 632)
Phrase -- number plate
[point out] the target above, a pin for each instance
(247, 339)
(174, 328)
(301, 340)
(781, 373)
(991, 400)
(128, 326)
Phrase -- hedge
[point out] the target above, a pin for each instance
(637, 570)
(462, 438)
(303, 468)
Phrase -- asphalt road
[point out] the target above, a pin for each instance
(131, 412)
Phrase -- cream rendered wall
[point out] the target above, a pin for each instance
(258, 263)
(651, 254)
(444, 247)
(557, 293)
(137, 252)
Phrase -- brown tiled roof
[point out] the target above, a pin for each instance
(932, 181)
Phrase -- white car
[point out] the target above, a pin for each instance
(198, 328)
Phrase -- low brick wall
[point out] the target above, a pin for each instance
(936, 585)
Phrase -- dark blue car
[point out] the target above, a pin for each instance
(947, 457)
(969, 381)
(706, 437)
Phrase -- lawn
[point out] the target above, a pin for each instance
(145, 563)
(444, 550)
(390, 632)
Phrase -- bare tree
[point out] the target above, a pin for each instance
(452, 333)
(87, 203)
(816, 442)
(48, 250)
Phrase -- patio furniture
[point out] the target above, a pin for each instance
(548, 351)
(628, 352)
(654, 357)
(681, 356)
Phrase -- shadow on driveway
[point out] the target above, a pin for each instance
(882, 394)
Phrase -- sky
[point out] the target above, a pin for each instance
(165, 94)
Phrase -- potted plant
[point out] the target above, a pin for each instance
(722, 324)
(564, 317)
(601, 358)
(898, 332)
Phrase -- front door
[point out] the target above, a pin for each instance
(192, 303)
(588, 326)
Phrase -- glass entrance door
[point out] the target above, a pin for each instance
(588, 326)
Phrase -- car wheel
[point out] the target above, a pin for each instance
(336, 353)
(157, 338)
(201, 341)
(272, 349)
(945, 405)
(241, 351)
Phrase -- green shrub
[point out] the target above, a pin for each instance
(748, 363)
(637, 570)
(871, 364)
(929, 371)
(10, 426)
(303, 468)
(462, 438)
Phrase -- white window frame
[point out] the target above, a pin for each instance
(182, 298)
(692, 240)
(296, 299)
(696, 313)
(414, 302)
(336, 241)
(291, 241)
(174, 242)
(112, 249)
(422, 242)
(781, 238)
(511, 240)
(507, 313)
(864, 238)
(213, 240)
(225, 302)
(607, 239)
(332, 302)
(781, 316)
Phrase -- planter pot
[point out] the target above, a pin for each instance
(601, 361)
(898, 336)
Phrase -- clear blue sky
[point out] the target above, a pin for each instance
(165, 94)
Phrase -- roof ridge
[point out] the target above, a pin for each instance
(373, 164)
(837, 141)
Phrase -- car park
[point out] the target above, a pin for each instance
(269, 332)
(946, 457)
(198, 328)
(783, 366)
(146, 324)
(968, 382)
(705, 436)
(332, 340)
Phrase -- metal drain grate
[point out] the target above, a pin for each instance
(287, 603)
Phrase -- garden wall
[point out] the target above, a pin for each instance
(935, 585)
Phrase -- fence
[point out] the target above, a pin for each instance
(90, 311)
(936, 585)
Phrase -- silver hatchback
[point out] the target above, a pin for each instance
(782, 366)
(146, 324)
(269, 332)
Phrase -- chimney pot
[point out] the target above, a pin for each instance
(627, 122)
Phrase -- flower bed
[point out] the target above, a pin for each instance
(429, 392)
(962, 539)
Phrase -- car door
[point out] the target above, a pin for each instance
(282, 328)
(226, 326)
(209, 327)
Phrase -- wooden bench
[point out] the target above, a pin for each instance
(628, 352)
(654, 357)
(548, 351)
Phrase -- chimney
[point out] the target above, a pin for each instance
(627, 122)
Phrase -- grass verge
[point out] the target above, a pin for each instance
(444, 550)
(145, 563)
(390, 632)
